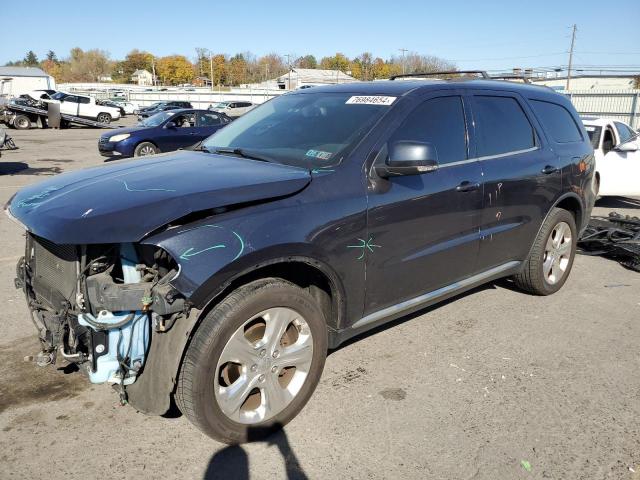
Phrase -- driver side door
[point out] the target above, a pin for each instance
(423, 229)
(179, 135)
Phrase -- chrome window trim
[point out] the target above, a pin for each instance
(488, 157)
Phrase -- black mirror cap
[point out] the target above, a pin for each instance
(170, 125)
(409, 158)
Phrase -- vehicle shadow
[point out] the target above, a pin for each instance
(618, 202)
(21, 168)
(233, 461)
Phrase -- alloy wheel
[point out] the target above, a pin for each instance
(557, 253)
(263, 365)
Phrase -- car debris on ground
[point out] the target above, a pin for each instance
(616, 237)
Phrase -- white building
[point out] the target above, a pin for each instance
(142, 77)
(299, 77)
(590, 82)
(15, 81)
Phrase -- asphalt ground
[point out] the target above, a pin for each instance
(495, 384)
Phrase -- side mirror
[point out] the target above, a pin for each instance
(627, 147)
(409, 158)
(170, 125)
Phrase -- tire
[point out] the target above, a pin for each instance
(549, 263)
(204, 375)
(104, 118)
(22, 122)
(144, 149)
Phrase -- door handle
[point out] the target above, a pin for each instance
(550, 169)
(467, 186)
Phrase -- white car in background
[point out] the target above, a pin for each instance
(85, 107)
(232, 109)
(129, 107)
(616, 148)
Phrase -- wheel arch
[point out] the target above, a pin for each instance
(152, 392)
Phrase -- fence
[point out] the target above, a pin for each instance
(203, 98)
(622, 105)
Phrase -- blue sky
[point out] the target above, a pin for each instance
(480, 34)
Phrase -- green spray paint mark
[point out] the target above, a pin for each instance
(365, 245)
(130, 189)
(322, 170)
(188, 253)
(526, 465)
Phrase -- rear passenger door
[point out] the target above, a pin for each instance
(423, 229)
(521, 177)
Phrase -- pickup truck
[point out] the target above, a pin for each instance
(85, 107)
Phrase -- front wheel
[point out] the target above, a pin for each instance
(104, 118)
(145, 148)
(551, 258)
(254, 361)
(22, 122)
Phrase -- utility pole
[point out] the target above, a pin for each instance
(211, 69)
(573, 41)
(153, 71)
(403, 50)
(288, 55)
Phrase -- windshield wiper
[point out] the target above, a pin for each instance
(240, 152)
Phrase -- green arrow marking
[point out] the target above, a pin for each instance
(188, 253)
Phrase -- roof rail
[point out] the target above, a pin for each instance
(482, 73)
(524, 78)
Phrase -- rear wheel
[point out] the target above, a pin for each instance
(104, 117)
(254, 361)
(551, 258)
(22, 122)
(145, 148)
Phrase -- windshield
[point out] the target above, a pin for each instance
(219, 105)
(308, 130)
(58, 96)
(157, 119)
(594, 135)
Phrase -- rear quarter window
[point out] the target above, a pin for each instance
(557, 121)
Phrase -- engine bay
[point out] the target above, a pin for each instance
(95, 305)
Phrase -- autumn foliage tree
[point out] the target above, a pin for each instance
(174, 69)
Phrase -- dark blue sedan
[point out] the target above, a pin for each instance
(163, 132)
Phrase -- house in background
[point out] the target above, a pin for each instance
(15, 81)
(142, 77)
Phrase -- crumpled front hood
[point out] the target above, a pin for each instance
(122, 202)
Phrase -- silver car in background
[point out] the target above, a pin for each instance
(232, 109)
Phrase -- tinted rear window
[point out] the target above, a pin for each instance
(557, 121)
(502, 126)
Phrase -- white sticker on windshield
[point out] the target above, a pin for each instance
(319, 154)
(370, 100)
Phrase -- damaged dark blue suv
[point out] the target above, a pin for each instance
(219, 278)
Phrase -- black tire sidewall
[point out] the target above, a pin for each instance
(215, 422)
(106, 116)
(557, 216)
(18, 119)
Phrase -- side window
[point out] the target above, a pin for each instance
(625, 132)
(501, 126)
(440, 122)
(71, 98)
(84, 99)
(557, 121)
(208, 119)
